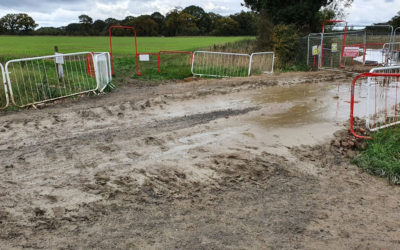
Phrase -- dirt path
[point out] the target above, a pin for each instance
(235, 163)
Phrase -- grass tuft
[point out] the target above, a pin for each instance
(382, 156)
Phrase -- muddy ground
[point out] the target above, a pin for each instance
(247, 163)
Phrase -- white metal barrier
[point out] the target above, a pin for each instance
(47, 78)
(391, 54)
(222, 64)
(102, 67)
(262, 62)
(383, 99)
(4, 100)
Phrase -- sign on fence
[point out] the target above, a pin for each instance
(351, 52)
(315, 50)
(144, 57)
(334, 47)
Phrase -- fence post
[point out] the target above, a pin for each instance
(59, 65)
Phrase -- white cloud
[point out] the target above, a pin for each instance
(372, 11)
(62, 12)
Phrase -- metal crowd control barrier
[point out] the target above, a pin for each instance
(391, 54)
(47, 78)
(102, 69)
(262, 62)
(222, 64)
(4, 100)
(383, 103)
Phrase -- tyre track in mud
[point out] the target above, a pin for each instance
(130, 171)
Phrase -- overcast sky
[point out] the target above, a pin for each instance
(61, 12)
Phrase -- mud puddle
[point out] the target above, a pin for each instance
(307, 104)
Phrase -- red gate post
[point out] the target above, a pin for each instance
(136, 50)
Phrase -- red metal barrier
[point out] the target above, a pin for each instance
(111, 50)
(90, 65)
(352, 101)
(364, 46)
(158, 60)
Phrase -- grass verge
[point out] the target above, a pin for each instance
(382, 156)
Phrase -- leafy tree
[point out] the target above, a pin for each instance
(146, 26)
(285, 40)
(111, 21)
(180, 23)
(25, 23)
(128, 21)
(86, 22)
(159, 19)
(247, 22)
(49, 31)
(74, 29)
(99, 27)
(17, 23)
(10, 23)
(395, 21)
(172, 23)
(265, 31)
(85, 19)
(202, 19)
(214, 18)
(304, 14)
(226, 27)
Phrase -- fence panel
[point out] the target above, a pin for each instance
(383, 99)
(176, 63)
(149, 63)
(102, 69)
(262, 63)
(220, 64)
(391, 54)
(47, 78)
(4, 101)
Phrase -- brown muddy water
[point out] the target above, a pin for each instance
(310, 103)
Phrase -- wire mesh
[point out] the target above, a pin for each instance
(262, 63)
(176, 63)
(383, 99)
(220, 64)
(332, 43)
(47, 78)
(149, 63)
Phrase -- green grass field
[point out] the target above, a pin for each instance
(12, 47)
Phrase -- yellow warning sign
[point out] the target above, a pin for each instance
(334, 47)
(315, 50)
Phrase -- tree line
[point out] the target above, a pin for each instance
(190, 21)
